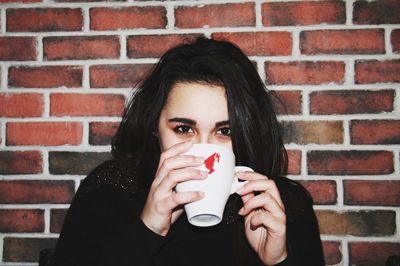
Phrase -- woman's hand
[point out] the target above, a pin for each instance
(265, 219)
(163, 205)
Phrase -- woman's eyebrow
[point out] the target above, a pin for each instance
(183, 120)
(193, 123)
(222, 123)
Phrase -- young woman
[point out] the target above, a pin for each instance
(126, 212)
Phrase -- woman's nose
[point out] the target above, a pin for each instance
(203, 139)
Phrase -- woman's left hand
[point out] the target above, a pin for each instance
(265, 219)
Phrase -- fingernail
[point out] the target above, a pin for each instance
(201, 194)
(240, 190)
(241, 211)
(239, 174)
(204, 173)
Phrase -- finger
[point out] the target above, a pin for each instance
(180, 198)
(248, 175)
(178, 162)
(265, 185)
(275, 225)
(247, 197)
(254, 176)
(265, 201)
(176, 176)
(245, 193)
(175, 150)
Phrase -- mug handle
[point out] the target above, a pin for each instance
(236, 185)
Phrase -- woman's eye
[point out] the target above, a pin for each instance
(226, 131)
(183, 129)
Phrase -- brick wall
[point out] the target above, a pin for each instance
(67, 68)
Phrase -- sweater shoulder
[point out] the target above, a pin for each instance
(111, 174)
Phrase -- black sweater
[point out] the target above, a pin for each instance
(103, 227)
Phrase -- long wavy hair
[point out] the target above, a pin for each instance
(255, 131)
(255, 134)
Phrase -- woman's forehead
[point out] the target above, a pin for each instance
(196, 92)
(196, 100)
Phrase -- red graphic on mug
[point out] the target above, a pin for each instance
(209, 162)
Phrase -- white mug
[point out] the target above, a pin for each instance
(220, 183)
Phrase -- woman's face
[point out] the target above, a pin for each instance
(195, 112)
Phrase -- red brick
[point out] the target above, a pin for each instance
(376, 12)
(225, 15)
(17, 48)
(372, 253)
(375, 132)
(155, 45)
(357, 223)
(75, 163)
(44, 133)
(153, 17)
(79, 104)
(351, 102)
(21, 104)
(81, 47)
(369, 41)
(372, 192)
(374, 71)
(118, 76)
(87, 1)
(50, 76)
(25, 249)
(101, 133)
(350, 162)
(306, 72)
(20, 162)
(303, 13)
(21, 220)
(259, 43)
(294, 158)
(36, 192)
(44, 19)
(318, 132)
(323, 192)
(395, 40)
(332, 252)
(20, 1)
(57, 217)
(287, 102)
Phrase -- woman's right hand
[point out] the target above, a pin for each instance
(163, 205)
